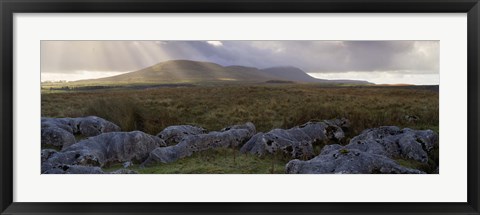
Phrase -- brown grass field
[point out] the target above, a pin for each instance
(268, 106)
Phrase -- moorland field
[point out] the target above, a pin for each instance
(152, 108)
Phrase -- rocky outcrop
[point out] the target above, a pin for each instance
(345, 161)
(228, 137)
(373, 151)
(46, 154)
(393, 142)
(297, 142)
(174, 134)
(78, 169)
(56, 137)
(106, 149)
(74, 169)
(60, 132)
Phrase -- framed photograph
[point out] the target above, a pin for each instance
(199, 107)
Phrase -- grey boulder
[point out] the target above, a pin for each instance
(343, 161)
(106, 149)
(78, 169)
(373, 151)
(394, 142)
(174, 134)
(74, 169)
(56, 137)
(46, 154)
(228, 137)
(60, 132)
(297, 142)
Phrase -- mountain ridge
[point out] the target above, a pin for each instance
(178, 71)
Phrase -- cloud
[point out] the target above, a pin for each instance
(402, 57)
(383, 77)
(78, 75)
(215, 43)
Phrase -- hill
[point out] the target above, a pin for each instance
(188, 71)
(290, 73)
(181, 71)
(298, 75)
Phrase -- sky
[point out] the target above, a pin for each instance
(380, 62)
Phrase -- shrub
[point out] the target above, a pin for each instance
(124, 112)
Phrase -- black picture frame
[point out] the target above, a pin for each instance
(9, 7)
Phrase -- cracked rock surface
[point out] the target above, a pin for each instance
(60, 132)
(104, 150)
(174, 134)
(298, 141)
(373, 151)
(348, 162)
(228, 137)
(393, 142)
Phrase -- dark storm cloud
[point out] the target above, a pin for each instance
(415, 57)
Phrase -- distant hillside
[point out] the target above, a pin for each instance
(289, 73)
(189, 71)
(298, 75)
(176, 71)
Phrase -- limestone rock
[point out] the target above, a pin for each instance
(92, 126)
(46, 154)
(174, 134)
(394, 142)
(57, 137)
(60, 132)
(252, 145)
(127, 164)
(74, 169)
(298, 141)
(330, 148)
(373, 151)
(228, 137)
(79, 169)
(106, 149)
(343, 161)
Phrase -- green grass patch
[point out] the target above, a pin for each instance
(216, 161)
(412, 164)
